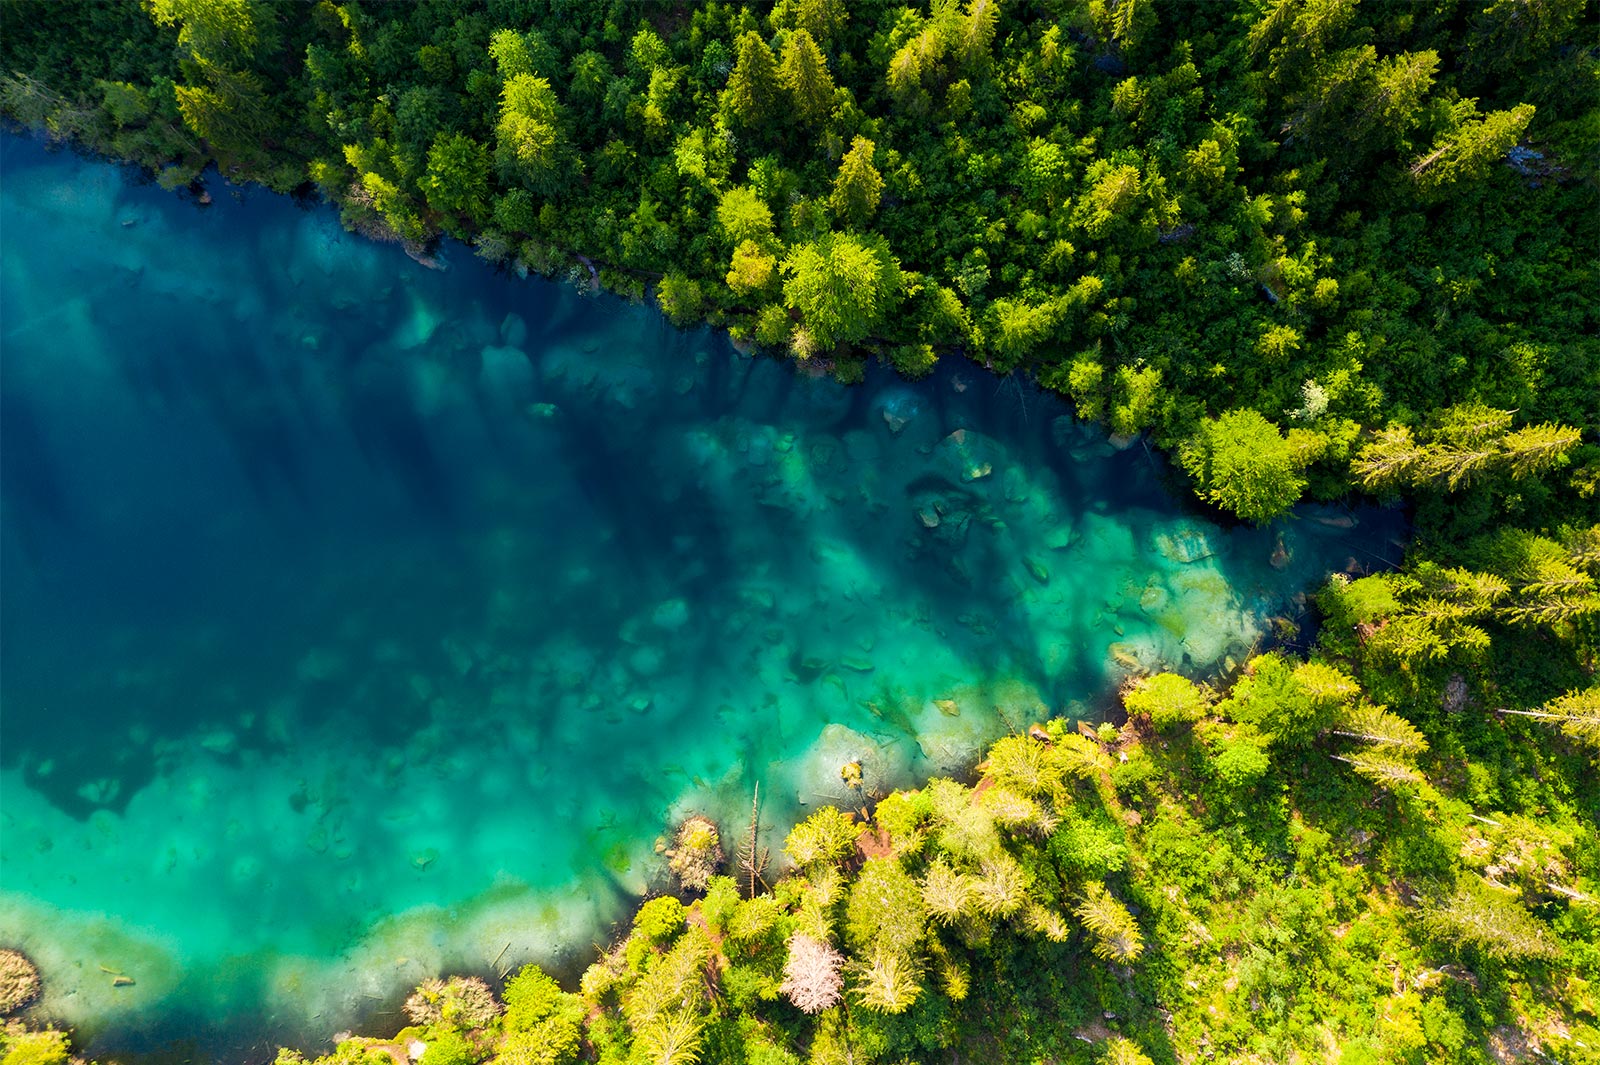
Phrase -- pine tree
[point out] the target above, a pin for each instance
(1383, 770)
(1244, 464)
(858, 186)
(1021, 762)
(1081, 757)
(1576, 713)
(216, 31)
(826, 837)
(752, 97)
(805, 76)
(1168, 699)
(977, 31)
(1041, 920)
(844, 286)
(1001, 887)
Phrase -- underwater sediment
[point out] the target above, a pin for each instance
(365, 620)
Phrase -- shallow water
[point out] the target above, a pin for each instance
(362, 620)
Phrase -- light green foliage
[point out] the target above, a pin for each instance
(35, 1048)
(1136, 399)
(1117, 936)
(742, 215)
(1242, 463)
(680, 298)
(449, 1048)
(843, 285)
(827, 836)
(805, 77)
(1023, 763)
(888, 982)
(885, 912)
(1120, 1050)
(544, 1024)
(751, 270)
(1240, 759)
(1170, 700)
(1463, 444)
(754, 93)
(529, 140)
(213, 30)
(659, 919)
(858, 186)
(1271, 698)
(1471, 148)
(1480, 917)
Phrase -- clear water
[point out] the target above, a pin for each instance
(362, 620)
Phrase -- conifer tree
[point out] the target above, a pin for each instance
(753, 94)
(888, 982)
(1576, 713)
(530, 143)
(1467, 152)
(858, 186)
(843, 285)
(805, 77)
(1485, 918)
(1535, 448)
(1117, 936)
(1168, 699)
(1390, 461)
(1244, 464)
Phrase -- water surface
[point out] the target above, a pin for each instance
(362, 619)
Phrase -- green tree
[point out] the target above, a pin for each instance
(751, 269)
(1242, 463)
(743, 215)
(752, 97)
(530, 145)
(1482, 917)
(858, 186)
(804, 73)
(216, 31)
(885, 911)
(1471, 148)
(844, 286)
(1116, 934)
(1168, 699)
(457, 178)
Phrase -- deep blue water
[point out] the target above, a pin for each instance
(360, 619)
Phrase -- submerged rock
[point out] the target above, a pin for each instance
(1184, 541)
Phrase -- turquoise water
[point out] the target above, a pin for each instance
(363, 620)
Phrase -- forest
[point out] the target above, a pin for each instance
(1310, 249)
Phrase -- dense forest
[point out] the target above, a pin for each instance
(1315, 248)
